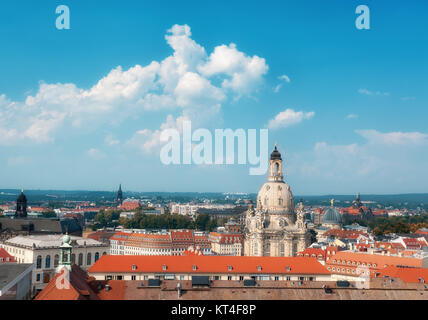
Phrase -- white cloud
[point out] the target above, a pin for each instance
(182, 81)
(110, 140)
(384, 162)
(289, 117)
(284, 78)
(372, 93)
(243, 73)
(394, 138)
(352, 116)
(96, 154)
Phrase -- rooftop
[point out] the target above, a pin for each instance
(49, 241)
(10, 273)
(209, 264)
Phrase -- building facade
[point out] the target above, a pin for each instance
(226, 244)
(273, 228)
(213, 267)
(44, 252)
(167, 243)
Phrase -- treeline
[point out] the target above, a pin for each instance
(168, 221)
(383, 225)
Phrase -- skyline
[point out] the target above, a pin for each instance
(85, 109)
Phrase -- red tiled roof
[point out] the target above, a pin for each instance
(208, 264)
(6, 257)
(412, 275)
(78, 286)
(379, 260)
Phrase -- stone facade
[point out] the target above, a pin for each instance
(273, 228)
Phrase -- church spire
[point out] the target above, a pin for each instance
(119, 198)
(275, 172)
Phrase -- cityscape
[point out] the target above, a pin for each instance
(213, 157)
(162, 248)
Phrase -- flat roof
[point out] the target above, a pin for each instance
(11, 273)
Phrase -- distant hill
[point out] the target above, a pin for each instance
(411, 200)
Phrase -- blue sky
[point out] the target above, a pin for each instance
(356, 99)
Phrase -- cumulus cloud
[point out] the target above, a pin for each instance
(289, 117)
(194, 83)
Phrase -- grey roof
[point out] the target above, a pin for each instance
(41, 225)
(10, 273)
(50, 241)
(331, 216)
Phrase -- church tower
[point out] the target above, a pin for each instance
(273, 228)
(21, 206)
(65, 258)
(119, 198)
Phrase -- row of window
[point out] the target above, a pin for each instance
(229, 278)
(355, 263)
(353, 271)
(65, 258)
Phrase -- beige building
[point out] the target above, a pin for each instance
(273, 228)
(226, 244)
(44, 252)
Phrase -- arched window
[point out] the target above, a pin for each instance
(39, 262)
(48, 262)
(89, 259)
(280, 201)
(97, 256)
(276, 168)
(80, 262)
(73, 258)
(56, 260)
(266, 201)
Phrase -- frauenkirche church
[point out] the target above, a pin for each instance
(273, 228)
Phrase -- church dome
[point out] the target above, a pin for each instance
(331, 216)
(275, 196)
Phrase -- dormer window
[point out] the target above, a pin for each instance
(259, 268)
(164, 267)
(134, 267)
(288, 268)
(230, 268)
(194, 267)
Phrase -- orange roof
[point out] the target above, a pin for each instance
(78, 287)
(405, 274)
(208, 264)
(313, 252)
(6, 256)
(381, 261)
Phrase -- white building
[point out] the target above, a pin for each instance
(44, 251)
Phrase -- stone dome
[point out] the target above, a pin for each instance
(276, 197)
(331, 216)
